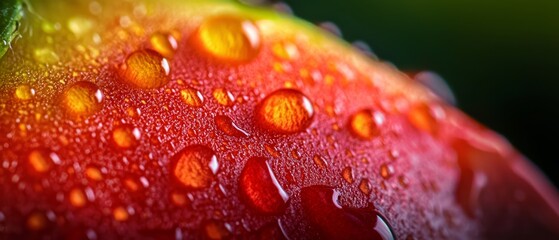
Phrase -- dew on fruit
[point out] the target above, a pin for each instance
(194, 166)
(365, 186)
(404, 181)
(164, 43)
(24, 92)
(365, 124)
(320, 161)
(386, 170)
(125, 136)
(45, 56)
(178, 199)
(93, 173)
(36, 221)
(331, 28)
(229, 38)
(77, 198)
(285, 50)
(223, 97)
(347, 174)
(226, 125)
(79, 25)
(131, 184)
(82, 99)
(192, 97)
(437, 84)
(260, 188)
(146, 69)
(285, 111)
(40, 161)
(120, 214)
(217, 230)
(332, 221)
(422, 117)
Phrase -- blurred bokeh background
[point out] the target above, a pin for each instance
(501, 58)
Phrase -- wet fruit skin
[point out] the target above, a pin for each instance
(123, 119)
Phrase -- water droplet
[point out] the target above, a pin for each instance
(332, 221)
(347, 174)
(36, 221)
(93, 173)
(226, 125)
(146, 69)
(404, 181)
(260, 188)
(331, 28)
(286, 51)
(120, 214)
(82, 99)
(194, 166)
(164, 43)
(77, 198)
(217, 230)
(386, 170)
(320, 161)
(24, 92)
(365, 124)
(40, 161)
(422, 117)
(79, 26)
(223, 96)
(192, 97)
(229, 38)
(45, 56)
(125, 136)
(365, 186)
(437, 84)
(285, 111)
(178, 199)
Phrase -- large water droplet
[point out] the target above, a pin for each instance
(229, 38)
(422, 117)
(24, 92)
(386, 170)
(223, 97)
(146, 69)
(365, 186)
(332, 221)
(192, 97)
(82, 99)
(194, 166)
(125, 136)
(164, 43)
(226, 125)
(347, 174)
(260, 188)
(365, 124)
(285, 111)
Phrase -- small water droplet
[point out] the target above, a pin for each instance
(260, 188)
(82, 99)
(422, 117)
(285, 50)
(45, 56)
(194, 166)
(226, 125)
(93, 173)
(223, 97)
(285, 111)
(332, 221)
(217, 230)
(77, 198)
(178, 199)
(24, 92)
(365, 186)
(404, 181)
(79, 25)
(40, 161)
(36, 221)
(347, 174)
(229, 38)
(125, 136)
(331, 27)
(365, 124)
(320, 161)
(146, 69)
(386, 171)
(120, 214)
(192, 97)
(164, 43)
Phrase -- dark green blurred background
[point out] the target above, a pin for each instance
(500, 57)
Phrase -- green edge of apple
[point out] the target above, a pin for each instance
(11, 12)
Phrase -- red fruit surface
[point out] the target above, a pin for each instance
(214, 120)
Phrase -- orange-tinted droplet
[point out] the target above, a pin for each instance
(82, 99)
(229, 38)
(320, 161)
(125, 136)
(285, 111)
(36, 221)
(146, 69)
(404, 181)
(93, 173)
(120, 214)
(386, 171)
(422, 117)
(226, 125)
(216, 230)
(40, 161)
(331, 221)
(365, 186)
(164, 43)
(260, 188)
(223, 97)
(178, 199)
(77, 198)
(347, 174)
(365, 124)
(24, 92)
(192, 97)
(194, 166)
